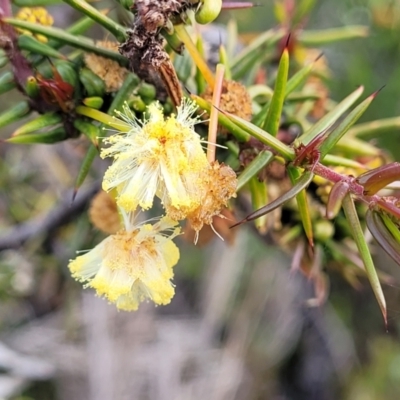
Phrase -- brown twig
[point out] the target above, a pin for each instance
(44, 225)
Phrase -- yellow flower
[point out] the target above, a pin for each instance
(132, 265)
(158, 157)
(36, 15)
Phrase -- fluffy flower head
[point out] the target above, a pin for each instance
(215, 186)
(132, 265)
(159, 157)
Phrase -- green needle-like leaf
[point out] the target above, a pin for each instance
(356, 147)
(14, 114)
(201, 83)
(393, 228)
(257, 47)
(302, 203)
(173, 40)
(7, 82)
(43, 121)
(223, 59)
(326, 36)
(83, 24)
(247, 65)
(183, 65)
(272, 121)
(259, 118)
(29, 43)
(333, 137)
(82, 6)
(359, 238)
(331, 159)
(300, 184)
(262, 136)
(382, 235)
(376, 128)
(292, 234)
(92, 132)
(61, 35)
(35, 3)
(251, 170)
(259, 197)
(298, 78)
(85, 167)
(330, 118)
(299, 97)
(130, 83)
(301, 11)
(54, 136)
(78, 28)
(104, 118)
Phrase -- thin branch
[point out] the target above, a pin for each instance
(60, 215)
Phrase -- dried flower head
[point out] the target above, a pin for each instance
(220, 224)
(133, 265)
(216, 186)
(103, 213)
(36, 15)
(108, 70)
(234, 99)
(158, 157)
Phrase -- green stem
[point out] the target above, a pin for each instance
(117, 30)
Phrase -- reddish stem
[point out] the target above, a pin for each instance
(356, 189)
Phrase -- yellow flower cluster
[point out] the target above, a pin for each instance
(36, 15)
(164, 158)
(132, 265)
(159, 157)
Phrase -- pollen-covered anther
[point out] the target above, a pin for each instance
(108, 70)
(132, 265)
(103, 213)
(218, 185)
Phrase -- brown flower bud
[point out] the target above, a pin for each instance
(234, 99)
(103, 213)
(108, 70)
